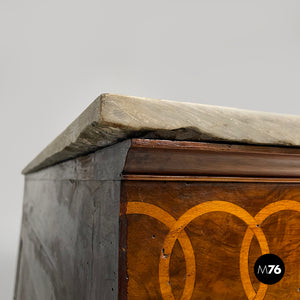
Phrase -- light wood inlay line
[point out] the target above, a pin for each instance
(260, 217)
(187, 248)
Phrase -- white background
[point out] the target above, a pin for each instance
(58, 56)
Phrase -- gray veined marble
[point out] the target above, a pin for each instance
(113, 118)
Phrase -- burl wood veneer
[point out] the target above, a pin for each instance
(178, 208)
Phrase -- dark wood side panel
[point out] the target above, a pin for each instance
(70, 229)
(193, 158)
(70, 235)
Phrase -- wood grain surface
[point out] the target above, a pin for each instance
(157, 157)
(141, 177)
(156, 219)
(200, 240)
(70, 229)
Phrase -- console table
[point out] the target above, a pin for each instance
(153, 199)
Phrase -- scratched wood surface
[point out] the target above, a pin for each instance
(69, 242)
(202, 230)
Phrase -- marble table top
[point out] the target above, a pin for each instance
(112, 118)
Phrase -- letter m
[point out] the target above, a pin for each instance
(262, 270)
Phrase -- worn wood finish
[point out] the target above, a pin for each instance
(68, 241)
(70, 229)
(105, 164)
(190, 158)
(218, 220)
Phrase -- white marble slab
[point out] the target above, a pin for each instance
(112, 118)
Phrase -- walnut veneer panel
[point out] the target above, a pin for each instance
(199, 228)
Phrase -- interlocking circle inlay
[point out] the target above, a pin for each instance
(177, 232)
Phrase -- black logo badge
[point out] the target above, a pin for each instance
(269, 268)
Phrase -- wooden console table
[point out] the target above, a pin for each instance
(153, 199)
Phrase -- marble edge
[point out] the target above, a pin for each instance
(112, 118)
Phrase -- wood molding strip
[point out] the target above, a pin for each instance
(181, 158)
(216, 147)
(138, 177)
